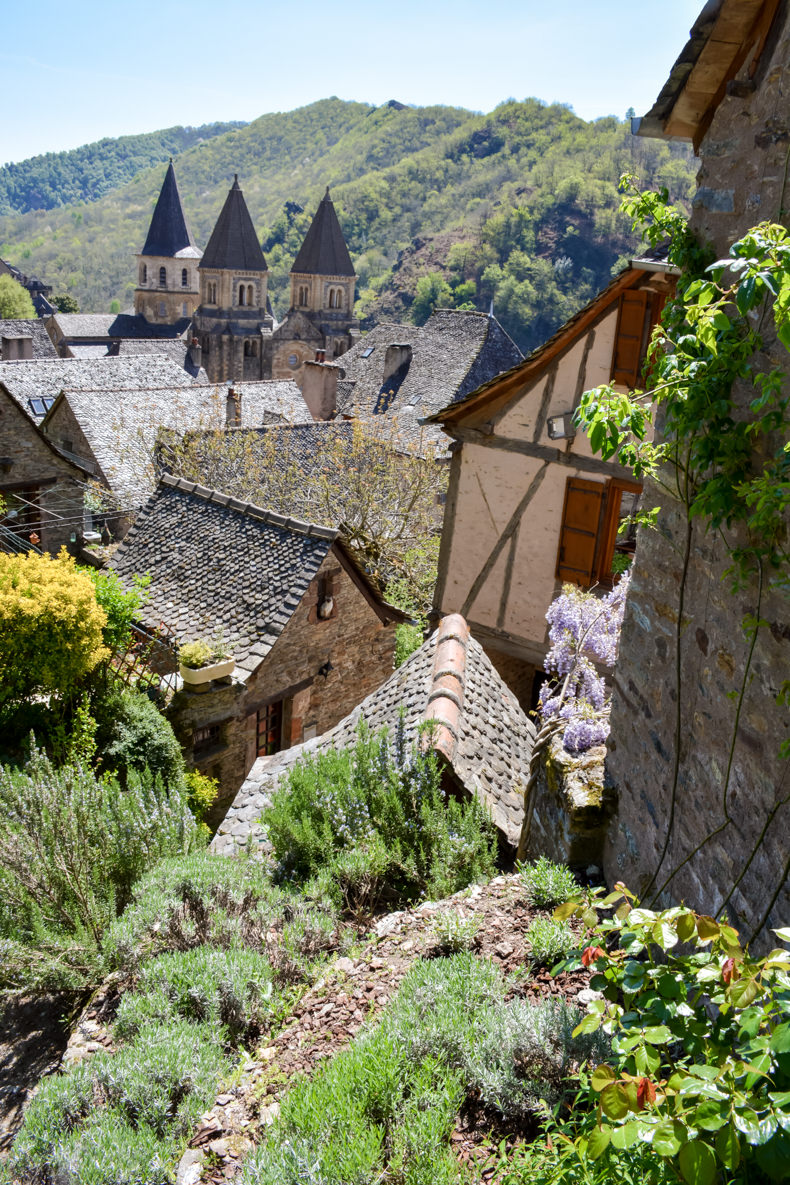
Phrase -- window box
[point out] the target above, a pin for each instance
(215, 670)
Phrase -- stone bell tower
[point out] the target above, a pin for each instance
(167, 289)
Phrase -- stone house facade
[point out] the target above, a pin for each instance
(529, 506)
(309, 633)
(695, 822)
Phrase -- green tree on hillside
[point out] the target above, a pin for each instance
(14, 299)
(65, 303)
(432, 292)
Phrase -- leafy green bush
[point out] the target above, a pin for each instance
(133, 734)
(121, 605)
(452, 933)
(71, 847)
(549, 939)
(546, 883)
(700, 1041)
(230, 988)
(374, 817)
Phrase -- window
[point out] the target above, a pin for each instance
(40, 407)
(250, 296)
(211, 293)
(270, 728)
(143, 274)
(303, 295)
(163, 277)
(589, 537)
(639, 310)
(246, 348)
(367, 352)
(162, 309)
(206, 344)
(205, 739)
(185, 309)
(184, 277)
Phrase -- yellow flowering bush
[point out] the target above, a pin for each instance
(50, 626)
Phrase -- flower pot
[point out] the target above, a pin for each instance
(215, 670)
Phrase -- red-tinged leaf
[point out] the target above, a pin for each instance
(645, 1093)
(591, 953)
(730, 971)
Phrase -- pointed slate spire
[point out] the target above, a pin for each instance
(324, 251)
(168, 233)
(234, 243)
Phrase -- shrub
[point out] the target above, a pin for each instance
(374, 817)
(50, 627)
(203, 652)
(121, 605)
(453, 933)
(133, 734)
(547, 884)
(231, 988)
(71, 847)
(549, 939)
(202, 793)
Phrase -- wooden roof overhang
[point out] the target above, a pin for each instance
(726, 35)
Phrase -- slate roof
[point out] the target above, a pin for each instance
(488, 754)
(46, 377)
(220, 564)
(234, 243)
(18, 327)
(168, 233)
(453, 353)
(270, 401)
(121, 427)
(88, 326)
(324, 251)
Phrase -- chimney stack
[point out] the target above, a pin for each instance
(319, 388)
(233, 409)
(196, 353)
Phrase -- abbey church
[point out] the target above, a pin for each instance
(223, 292)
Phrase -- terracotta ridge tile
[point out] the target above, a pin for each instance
(444, 705)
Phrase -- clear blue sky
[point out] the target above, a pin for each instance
(79, 72)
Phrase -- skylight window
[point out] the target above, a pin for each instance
(366, 353)
(40, 407)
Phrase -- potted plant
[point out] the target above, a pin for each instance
(204, 660)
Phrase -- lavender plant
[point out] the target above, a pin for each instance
(584, 630)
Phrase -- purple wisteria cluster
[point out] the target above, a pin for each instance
(584, 629)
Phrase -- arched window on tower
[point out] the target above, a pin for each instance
(212, 294)
(206, 344)
(250, 295)
(331, 298)
(184, 277)
(163, 277)
(254, 349)
(241, 294)
(143, 274)
(303, 295)
(246, 348)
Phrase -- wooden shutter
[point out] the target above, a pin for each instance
(579, 535)
(629, 339)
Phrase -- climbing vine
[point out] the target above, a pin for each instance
(725, 458)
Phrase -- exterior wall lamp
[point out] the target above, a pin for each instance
(561, 427)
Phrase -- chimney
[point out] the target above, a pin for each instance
(320, 355)
(196, 353)
(233, 409)
(17, 348)
(319, 388)
(397, 358)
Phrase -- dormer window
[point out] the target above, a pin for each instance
(163, 277)
(184, 277)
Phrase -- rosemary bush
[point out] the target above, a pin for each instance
(374, 817)
(547, 884)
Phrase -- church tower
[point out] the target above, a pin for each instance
(232, 323)
(321, 316)
(167, 278)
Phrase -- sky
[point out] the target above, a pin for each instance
(80, 72)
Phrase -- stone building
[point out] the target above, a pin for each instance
(481, 736)
(321, 316)
(24, 341)
(309, 633)
(697, 819)
(168, 289)
(233, 323)
(528, 505)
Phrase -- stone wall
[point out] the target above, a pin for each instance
(574, 801)
(716, 843)
(355, 642)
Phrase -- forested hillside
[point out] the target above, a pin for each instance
(87, 173)
(438, 205)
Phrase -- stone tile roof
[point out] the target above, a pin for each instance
(270, 401)
(121, 427)
(46, 377)
(482, 733)
(168, 233)
(76, 326)
(453, 353)
(35, 328)
(324, 251)
(234, 243)
(220, 564)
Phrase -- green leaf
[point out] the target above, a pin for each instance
(598, 1142)
(780, 1038)
(657, 1034)
(647, 1060)
(601, 1077)
(697, 1163)
(728, 1147)
(710, 1116)
(668, 1138)
(783, 933)
(590, 1024)
(625, 1136)
(615, 1102)
(743, 992)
